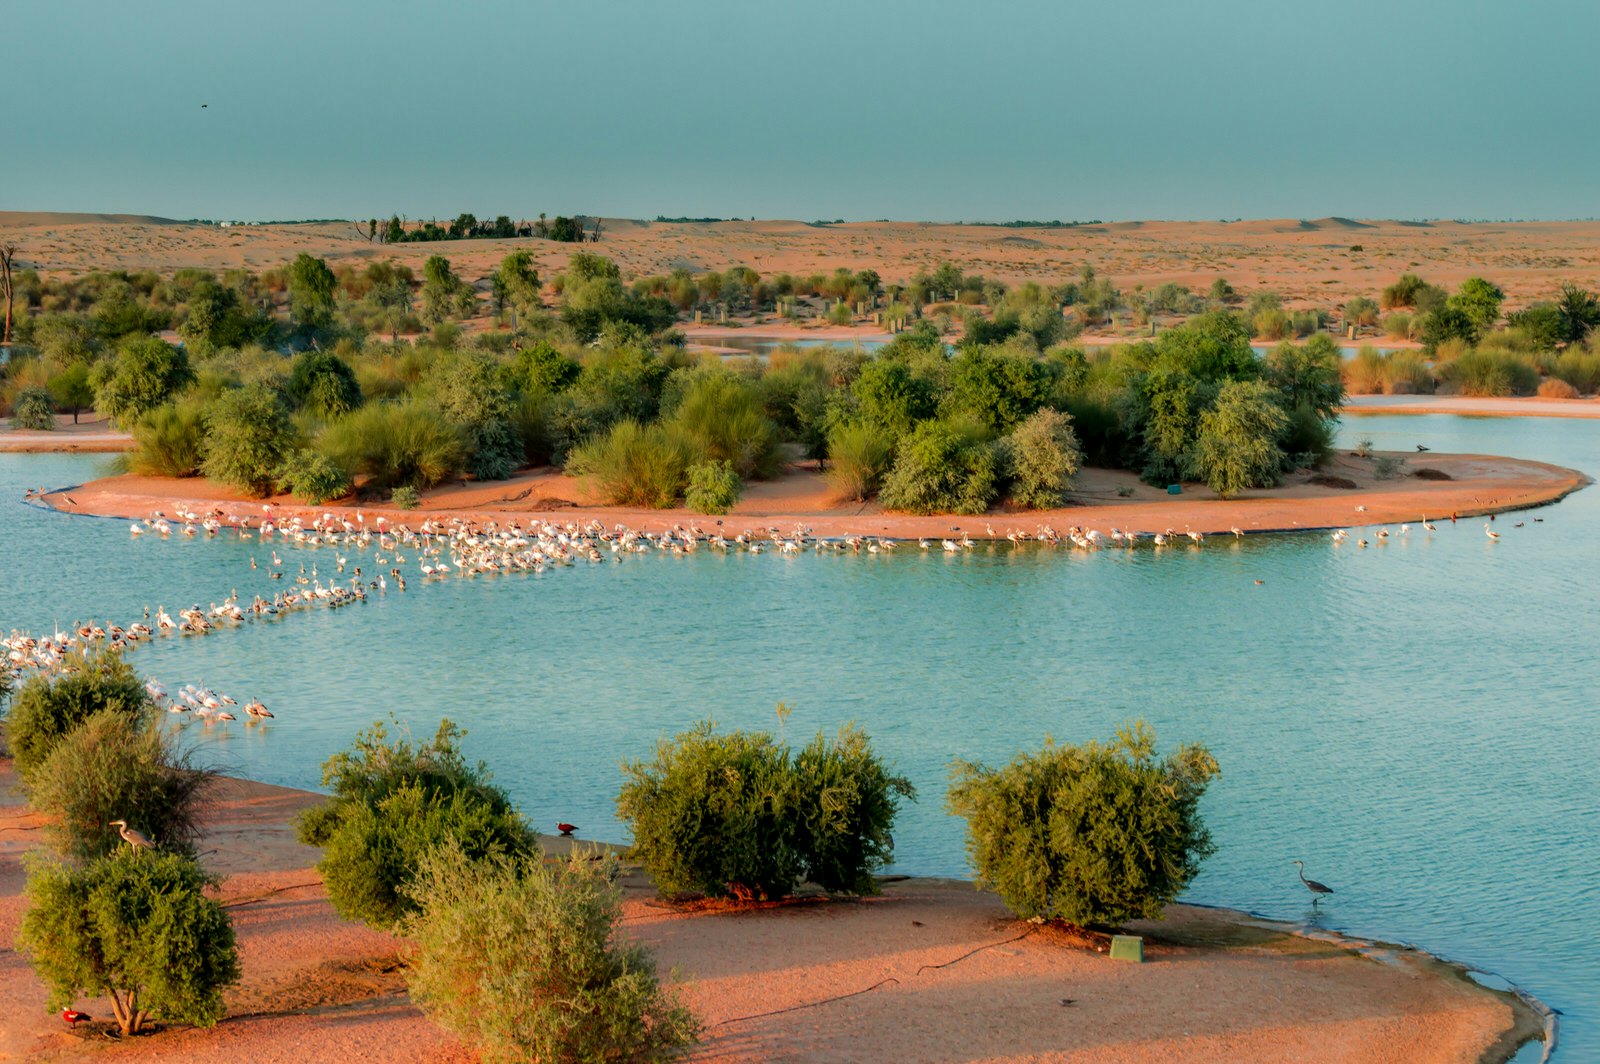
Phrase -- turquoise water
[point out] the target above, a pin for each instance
(1417, 721)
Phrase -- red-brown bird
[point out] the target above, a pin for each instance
(73, 1017)
(566, 829)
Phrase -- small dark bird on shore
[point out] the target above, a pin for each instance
(566, 829)
(1068, 1001)
(72, 1017)
(1316, 889)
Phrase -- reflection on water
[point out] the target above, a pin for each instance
(1415, 721)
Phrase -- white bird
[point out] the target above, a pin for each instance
(1491, 533)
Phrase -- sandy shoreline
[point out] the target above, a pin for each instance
(856, 977)
(1478, 485)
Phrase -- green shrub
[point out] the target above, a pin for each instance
(859, 453)
(374, 851)
(1364, 373)
(1044, 457)
(248, 434)
(1490, 373)
(143, 375)
(46, 708)
(1272, 323)
(313, 477)
(1406, 373)
(1361, 311)
(395, 802)
(170, 441)
(943, 468)
(323, 383)
(714, 488)
(397, 443)
(839, 314)
(723, 417)
(635, 465)
(1237, 446)
(406, 497)
(846, 799)
(522, 961)
(1308, 438)
(137, 927)
(1387, 467)
(113, 767)
(1579, 368)
(33, 409)
(1094, 835)
(1400, 326)
(737, 815)
(710, 815)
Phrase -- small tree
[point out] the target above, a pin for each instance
(8, 252)
(249, 434)
(847, 800)
(33, 409)
(137, 927)
(1045, 456)
(313, 477)
(859, 453)
(71, 389)
(311, 288)
(1094, 835)
(145, 373)
(1479, 300)
(1238, 443)
(522, 961)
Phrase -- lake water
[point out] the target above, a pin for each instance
(1416, 720)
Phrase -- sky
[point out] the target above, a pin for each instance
(939, 111)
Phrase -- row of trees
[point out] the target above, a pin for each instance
(466, 226)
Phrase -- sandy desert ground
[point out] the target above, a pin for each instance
(932, 970)
(1318, 262)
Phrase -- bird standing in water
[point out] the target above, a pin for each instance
(1316, 889)
(566, 829)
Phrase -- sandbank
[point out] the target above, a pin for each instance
(1478, 485)
(895, 977)
(91, 434)
(1472, 406)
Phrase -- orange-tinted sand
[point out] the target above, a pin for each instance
(1480, 484)
(855, 975)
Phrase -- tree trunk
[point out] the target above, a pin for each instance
(6, 254)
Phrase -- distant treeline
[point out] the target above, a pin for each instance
(466, 226)
(699, 221)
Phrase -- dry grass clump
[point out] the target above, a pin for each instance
(1556, 388)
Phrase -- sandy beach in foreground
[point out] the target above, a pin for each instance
(888, 978)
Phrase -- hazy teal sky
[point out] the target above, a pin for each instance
(929, 110)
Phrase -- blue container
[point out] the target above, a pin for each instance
(1174, 489)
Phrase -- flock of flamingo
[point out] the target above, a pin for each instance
(446, 547)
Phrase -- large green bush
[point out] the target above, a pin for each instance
(1095, 835)
(138, 927)
(736, 814)
(943, 467)
(859, 453)
(323, 383)
(46, 708)
(1044, 456)
(1490, 373)
(846, 798)
(248, 434)
(409, 443)
(724, 419)
(635, 465)
(144, 374)
(521, 959)
(394, 801)
(374, 851)
(170, 441)
(116, 767)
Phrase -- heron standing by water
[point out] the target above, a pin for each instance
(1316, 889)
